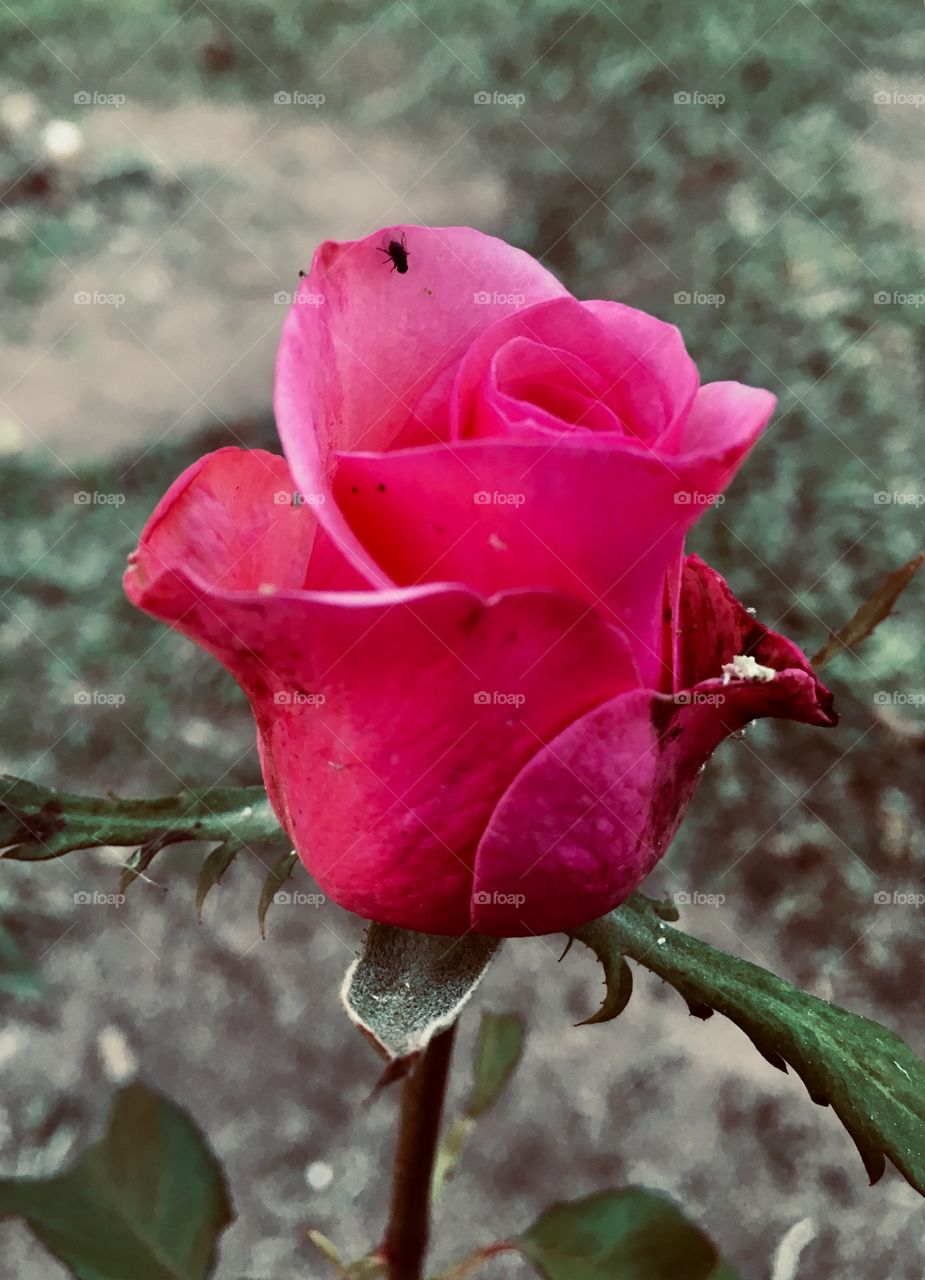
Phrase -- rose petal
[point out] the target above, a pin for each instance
(591, 814)
(390, 722)
(641, 369)
(376, 359)
(578, 517)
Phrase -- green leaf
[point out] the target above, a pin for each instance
(871, 1078)
(871, 613)
(147, 1202)
(498, 1048)
(406, 987)
(37, 823)
(631, 1234)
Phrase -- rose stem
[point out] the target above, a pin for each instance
(406, 1235)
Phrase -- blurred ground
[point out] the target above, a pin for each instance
(797, 203)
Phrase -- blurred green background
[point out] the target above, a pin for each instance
(752, 173)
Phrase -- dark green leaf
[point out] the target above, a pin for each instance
(631, 1234)
(498, 1048)
(147, 1202)
(871, 613)
(872, 1079)
(406, 987)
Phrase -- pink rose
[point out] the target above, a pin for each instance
(484, 676)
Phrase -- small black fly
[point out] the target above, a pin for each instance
(398, 255)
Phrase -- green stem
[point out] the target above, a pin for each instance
(407, 1233)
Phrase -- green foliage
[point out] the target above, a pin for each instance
(869, 1076)
(498, 1049)
(632, 1234)
(872, 612)
(148, 1201)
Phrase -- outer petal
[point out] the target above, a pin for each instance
(390, 723)
(374, 362)
(726, 417)
(582, 517)
(589, 816)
